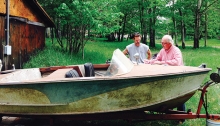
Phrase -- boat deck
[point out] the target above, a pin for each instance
(152, 70)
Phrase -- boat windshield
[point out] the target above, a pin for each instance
(119, 64)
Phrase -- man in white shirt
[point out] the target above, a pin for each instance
(137, 48)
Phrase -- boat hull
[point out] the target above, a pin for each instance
(99, 95)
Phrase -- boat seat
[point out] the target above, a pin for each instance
(71, 73)
(89, 70)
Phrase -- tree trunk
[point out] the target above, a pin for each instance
(52, 36)
(182, 29)
(119, 34)
(144, 33)
(197, 25)
(152, 22)
(152, 35)
(196, 32)
(175, 34)
(206, 26)
(141, 8)
(123, 28)
(174, 25)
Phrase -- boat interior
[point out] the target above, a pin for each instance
(118, 65)
(85, 70)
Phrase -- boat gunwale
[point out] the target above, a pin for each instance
(101, 78)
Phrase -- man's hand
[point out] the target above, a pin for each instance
(146, 61)
(158, 62)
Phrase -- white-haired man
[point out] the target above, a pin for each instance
(169, 54)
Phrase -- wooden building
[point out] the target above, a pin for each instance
(27, 26)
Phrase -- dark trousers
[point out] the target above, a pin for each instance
(182, 108)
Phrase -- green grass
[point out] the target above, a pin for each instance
(95, 52)
(98, 51)
(210, 43)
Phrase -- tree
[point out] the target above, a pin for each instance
(152, 22)
(108, 17)
(74, 19)
(125, 26)
(182, 23)
(199, 11)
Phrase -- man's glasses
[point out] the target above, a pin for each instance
(165, 43)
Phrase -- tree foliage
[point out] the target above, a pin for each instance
(73, 20)
(77, 20)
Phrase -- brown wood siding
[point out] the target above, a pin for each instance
(24, 40)
(19, 8)
(2, 36)
(28, 22)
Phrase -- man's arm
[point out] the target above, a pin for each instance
(125, 51)
(177, 59)
(149, 54)
(152, 61)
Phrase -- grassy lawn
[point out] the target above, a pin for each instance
(98, 51)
